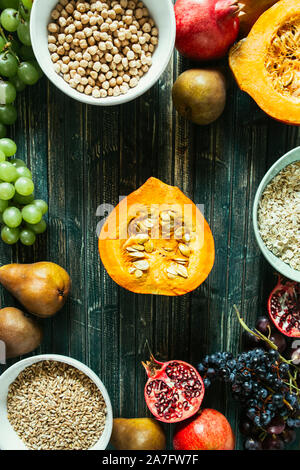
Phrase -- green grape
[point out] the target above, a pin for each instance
(2, 130)
(8, 114)
(38, 228)
(8, 172)
(3, 205)
(15, 46)
(26, 52)
(9, 4)
(17, 162)
(2, 156)
(35, 64)
(23, 200)
(31, 214)
(12, 217)
(23, 171)
(10, 235)
(8, 146)
(27, 237)
(7, 191)
(2, 43)
(23, 32)
(28, 73)
(25, 12)
(8, 92)
(41, 205)
(24, 186)
(10, 19)
(18, 84)
(8, 64)
(27, 4)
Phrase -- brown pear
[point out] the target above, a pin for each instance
(42, 288)
(138, 434)
(20, 334)
(200, 95)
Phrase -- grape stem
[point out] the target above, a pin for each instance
(259, 335)
(8, 44)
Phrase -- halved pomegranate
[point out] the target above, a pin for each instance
(284, 307)
(174, 390)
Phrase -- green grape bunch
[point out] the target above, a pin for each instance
(21, 215)
(18, 66)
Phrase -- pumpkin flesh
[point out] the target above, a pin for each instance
(156, 241)
(267, 63)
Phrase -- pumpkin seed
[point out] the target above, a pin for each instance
(178, 233)
(184, 250)
(130, 249)
(186, 237)
(141, 265)
(165, 216)
(141, 238)
(138, 273)
(171, 276)
(171, 270)
(149, 246)
(148, 223)
(287, 79)
(168, 248)
(131, 270)
(138, 247)
(136, 254)
(182, 271)
(180, 260)
(172, 214)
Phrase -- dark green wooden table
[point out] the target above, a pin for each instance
(82, 157)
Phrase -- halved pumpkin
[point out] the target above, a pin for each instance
(156, 241)
(267, 63)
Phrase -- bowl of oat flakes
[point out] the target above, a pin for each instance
(53, 402)
(103, 52)
(276, 215)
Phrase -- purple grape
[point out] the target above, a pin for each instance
(247, 428)
(276, 426)
(273, 443)
(252, 444)
(263, 325)
(251, 341)
(288, 436)
(294, 355)
(279, 341)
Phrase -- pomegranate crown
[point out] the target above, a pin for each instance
(152, 366)
(225, 8)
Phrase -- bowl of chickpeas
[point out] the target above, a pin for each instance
(103, 53)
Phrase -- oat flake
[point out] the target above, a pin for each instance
(279, 215)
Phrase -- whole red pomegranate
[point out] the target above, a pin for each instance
(205, 29)
(174, 390)
(284, 307)
(208, 430)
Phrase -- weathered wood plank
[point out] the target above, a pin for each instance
(82, 157)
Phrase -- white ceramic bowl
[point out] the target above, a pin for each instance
(162, 12)
(9, 440)
(278, 264)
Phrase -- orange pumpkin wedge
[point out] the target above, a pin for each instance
(266, 64)
(156, 241)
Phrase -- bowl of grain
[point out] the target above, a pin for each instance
(103, 53)
(276, 215)
(53, 402)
